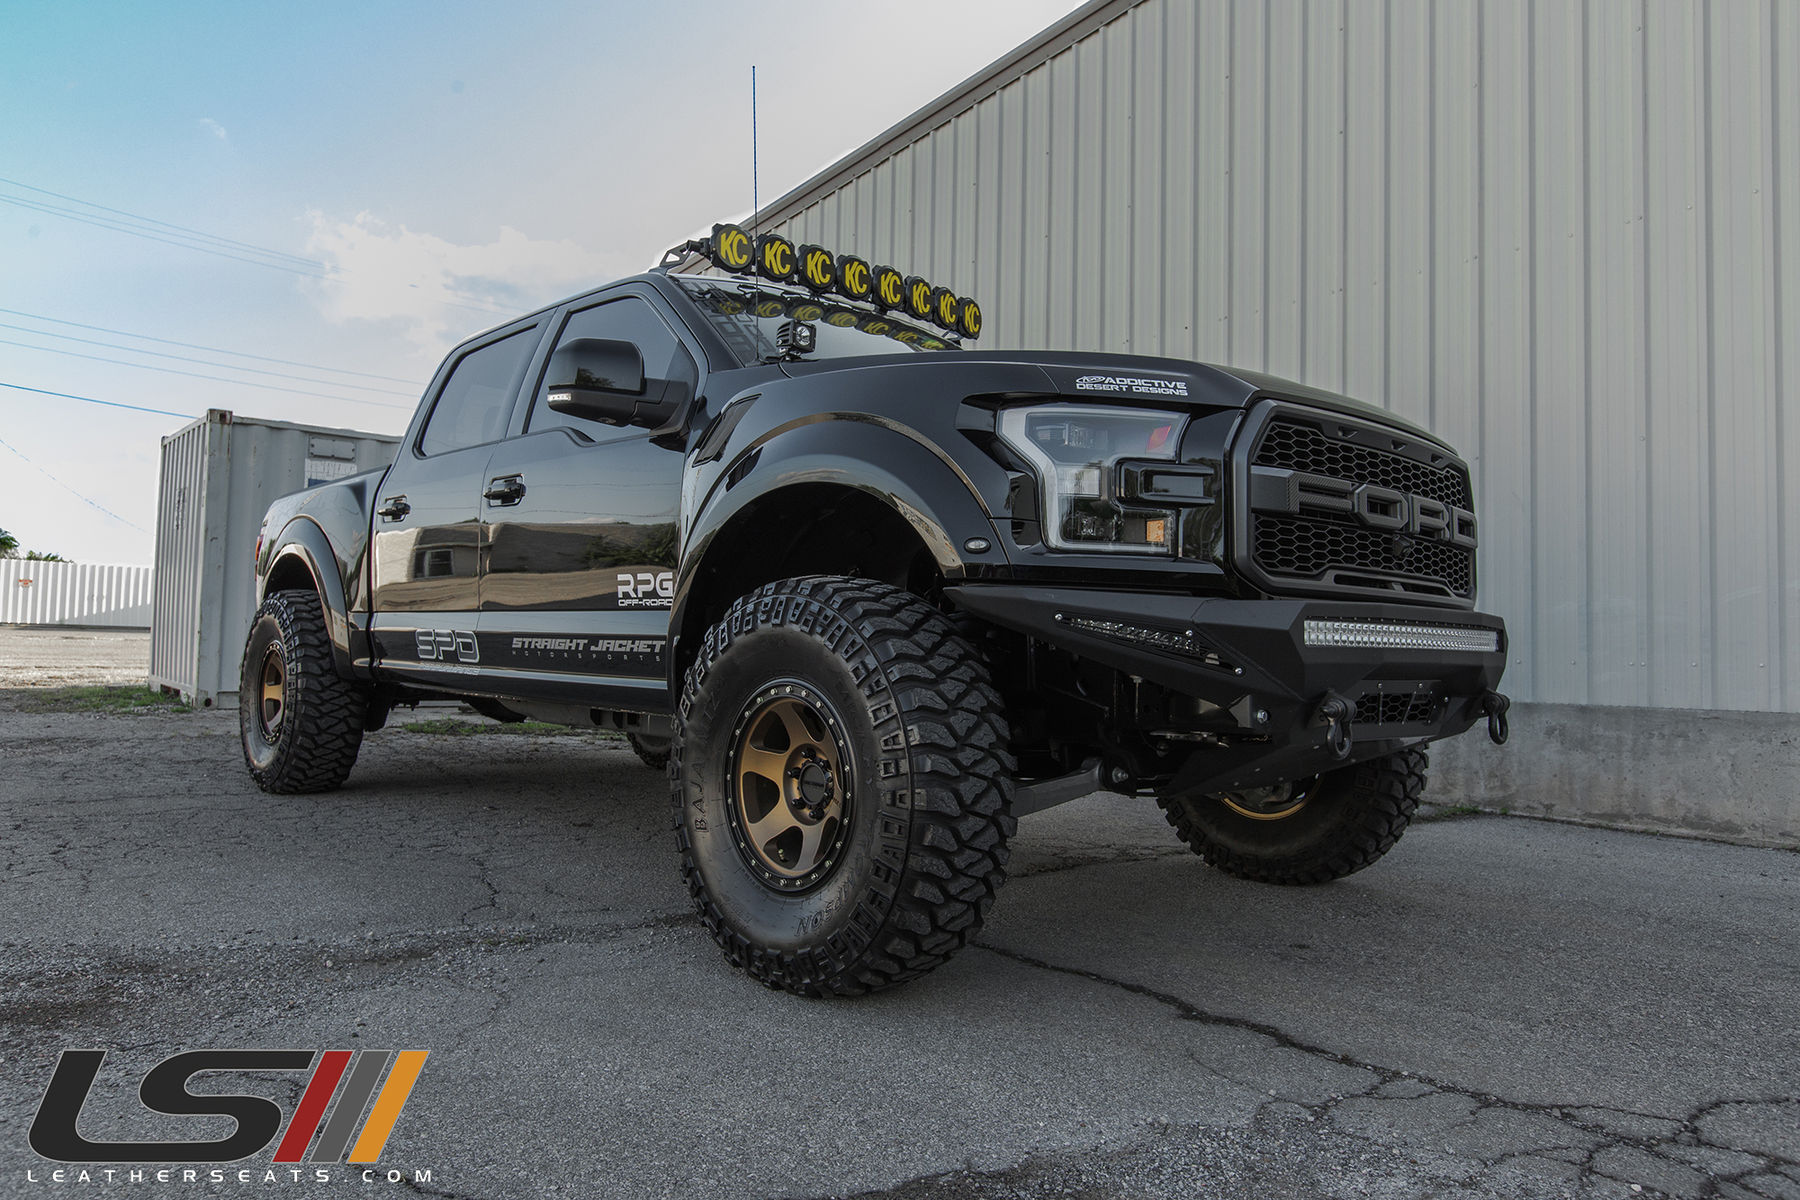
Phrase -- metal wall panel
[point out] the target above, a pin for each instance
(179, 548)
(1784, 51)
(1564, 235)
(66, 593)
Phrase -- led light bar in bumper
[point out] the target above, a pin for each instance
(1396, 635)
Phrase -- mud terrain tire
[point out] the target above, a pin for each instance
(1351, 817)
(301, 724)
(864, 694)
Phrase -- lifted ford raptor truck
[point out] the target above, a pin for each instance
(872, 596)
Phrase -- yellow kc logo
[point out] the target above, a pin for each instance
(971, 318)
(734, 248)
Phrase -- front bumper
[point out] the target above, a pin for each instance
(1263, 689)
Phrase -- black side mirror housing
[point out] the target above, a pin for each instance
(598, 379)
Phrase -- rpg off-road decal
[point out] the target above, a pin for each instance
(646, 589)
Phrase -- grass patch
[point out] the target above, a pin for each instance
(97, 699)
(1446, 812)
(451, 727)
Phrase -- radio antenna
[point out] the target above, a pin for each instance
(755, 197)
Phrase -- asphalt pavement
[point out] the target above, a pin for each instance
(1501, 1008)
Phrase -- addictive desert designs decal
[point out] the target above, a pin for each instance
(1132, 385)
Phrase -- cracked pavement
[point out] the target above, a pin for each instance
(1501, 1008)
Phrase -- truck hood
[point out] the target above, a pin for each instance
(1112, 377)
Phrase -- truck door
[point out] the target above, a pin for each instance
(579, 535)
(427, 526)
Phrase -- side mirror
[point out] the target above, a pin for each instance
(597, 379)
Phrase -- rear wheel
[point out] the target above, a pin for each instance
(841, 786)
(652, 751)
(1312, 831)
(300, 723)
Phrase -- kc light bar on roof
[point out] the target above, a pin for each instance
(1399, 635)
(774, 258)
(771, 304)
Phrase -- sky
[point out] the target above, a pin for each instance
(319, 201)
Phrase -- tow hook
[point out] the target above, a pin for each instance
(1336, 712)
(1495, 706)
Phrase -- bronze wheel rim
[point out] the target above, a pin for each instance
(271, 693)
(791, 787)
(1275, 803)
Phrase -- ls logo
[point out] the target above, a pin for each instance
(165, 1090)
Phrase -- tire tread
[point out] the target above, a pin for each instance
(956, 738)
(1382, 795)
(323, 730)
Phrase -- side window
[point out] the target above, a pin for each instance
(472, 407)
(630, 319)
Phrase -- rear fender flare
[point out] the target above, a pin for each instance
(301, 539)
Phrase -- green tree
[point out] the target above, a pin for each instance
(9, 545)
(40, 556)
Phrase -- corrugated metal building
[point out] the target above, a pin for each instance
(1563, 235)
(65, 593)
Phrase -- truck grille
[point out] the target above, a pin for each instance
(1320, 544)
(1310, 546)
(1298, 446)
(1395, 708)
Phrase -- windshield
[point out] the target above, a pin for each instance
(765, 324)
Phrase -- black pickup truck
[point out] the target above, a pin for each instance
(872, 596)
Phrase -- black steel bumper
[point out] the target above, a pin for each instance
(1285, 709)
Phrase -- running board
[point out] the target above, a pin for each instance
(1048, 793)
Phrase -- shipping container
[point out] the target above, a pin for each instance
(219, 475)
(67, 593)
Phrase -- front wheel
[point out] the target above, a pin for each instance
(300, 722)
(1311, 831)
(842, 786)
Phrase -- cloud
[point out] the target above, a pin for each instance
(430, 286)
(213, 127)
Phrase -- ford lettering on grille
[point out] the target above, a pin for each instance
(1273, 489)
(1347, 506)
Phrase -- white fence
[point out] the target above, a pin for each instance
(63, 593)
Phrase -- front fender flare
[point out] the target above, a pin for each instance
(876, 457)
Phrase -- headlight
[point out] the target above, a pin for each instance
(1076, 449)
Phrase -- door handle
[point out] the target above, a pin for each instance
(393, 508)
(508, 489)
